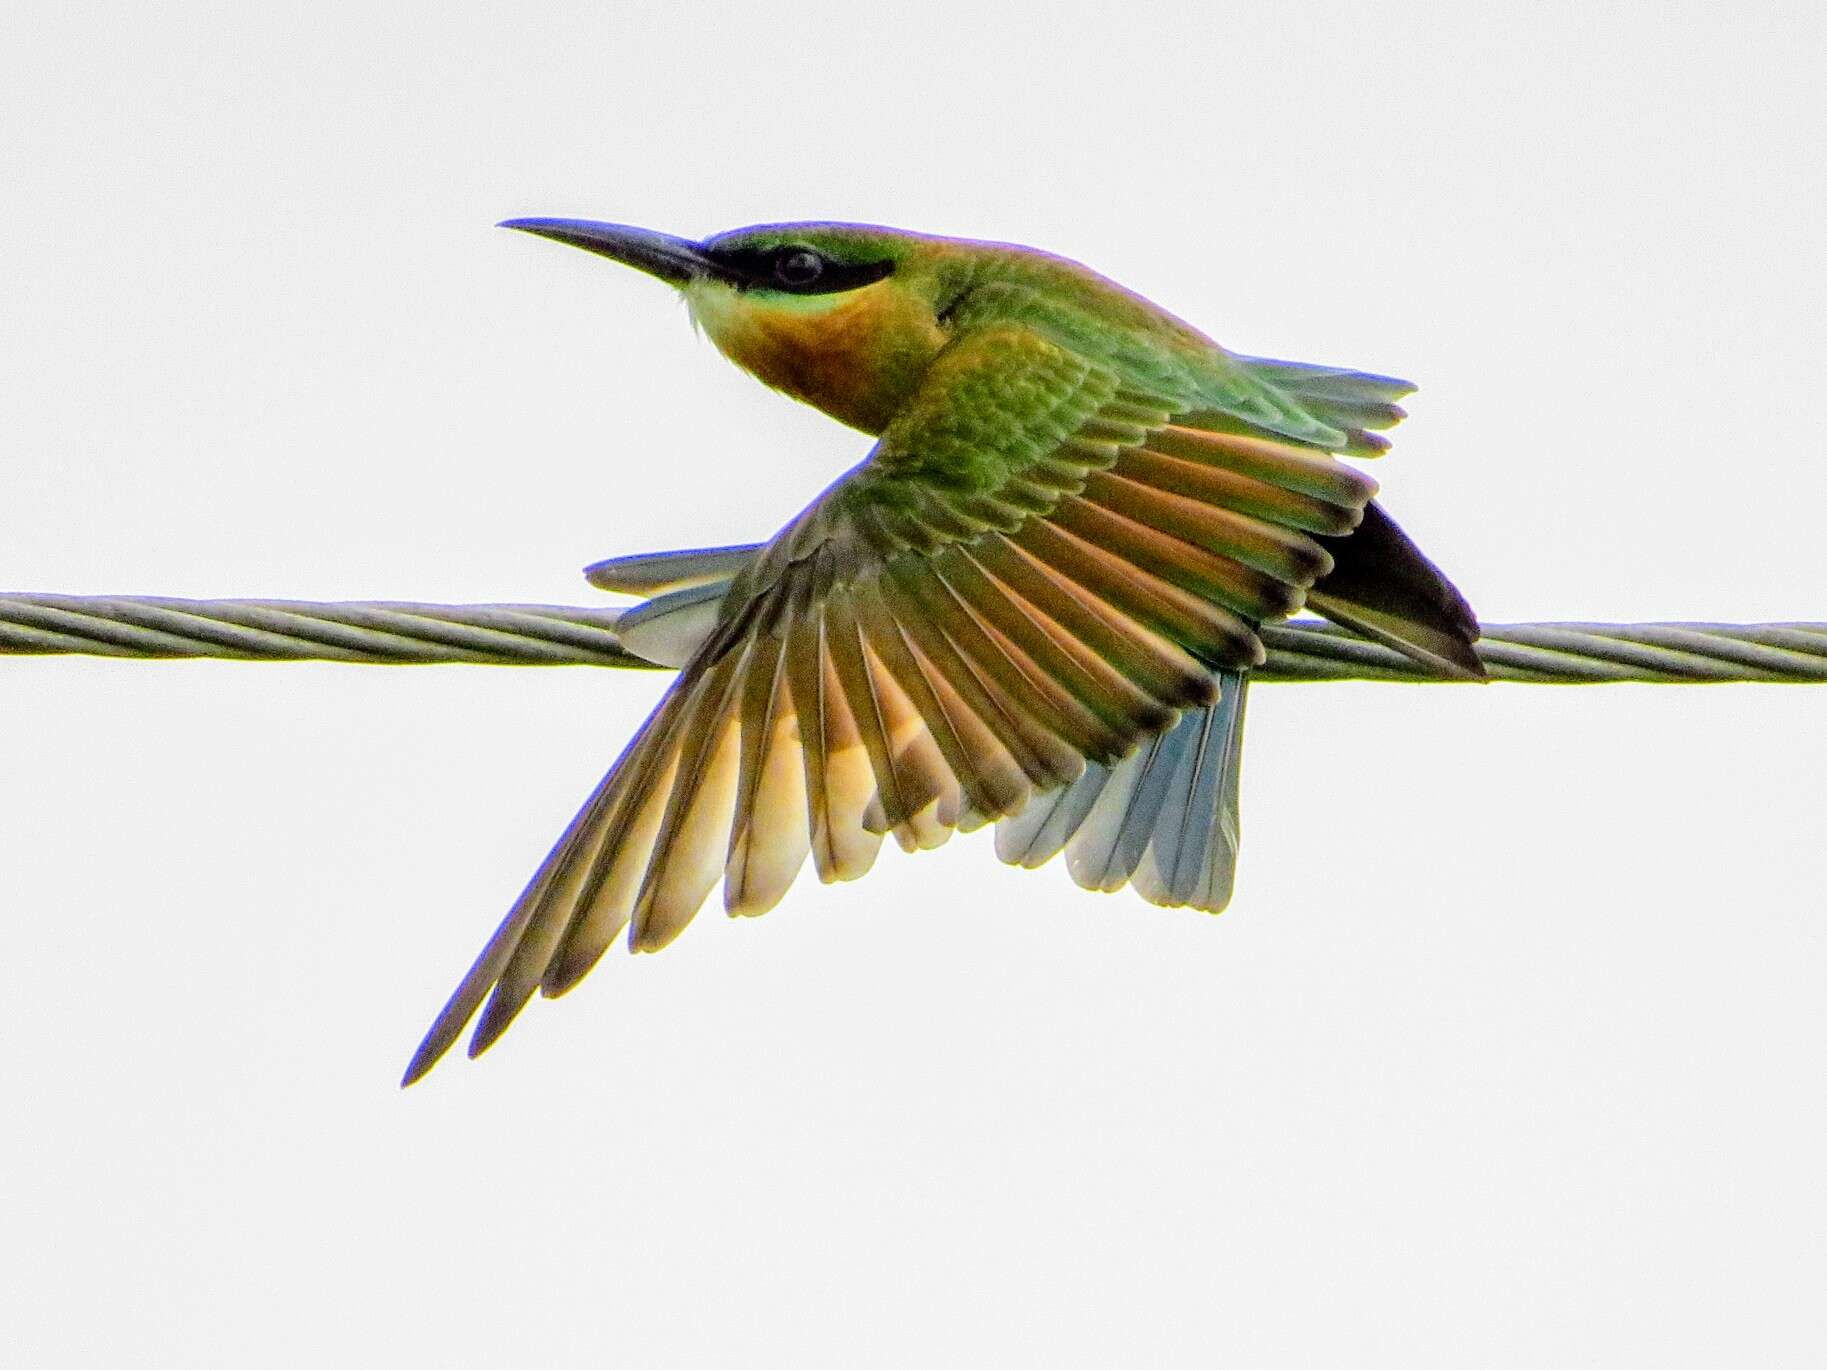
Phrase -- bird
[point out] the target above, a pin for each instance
(1034, 602)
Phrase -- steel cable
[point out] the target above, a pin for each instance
(390, 633)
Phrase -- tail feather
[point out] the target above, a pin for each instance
(1193, 856)
(1108, 846)
(1040, 832)
(1164, 819)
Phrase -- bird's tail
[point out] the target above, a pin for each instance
(1163, 819)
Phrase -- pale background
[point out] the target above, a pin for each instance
(1510, 1051)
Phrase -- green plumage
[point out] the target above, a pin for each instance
(1034, 602)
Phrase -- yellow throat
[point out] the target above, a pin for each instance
(856, 355)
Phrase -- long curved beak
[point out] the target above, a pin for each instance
(678, 261)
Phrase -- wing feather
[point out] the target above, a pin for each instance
(990, 778)
(1211, 631)
(1120, 704)
(1014, 671)
(1286, 554)
(1008, 706)
(1248, 496)
(1299, 469)
(840, 783)
(769, 838)
(1157, 665)
(619, 865)
(998, 616)
(536, 912)
(692, 844)
(1217, 581)
(884, 719)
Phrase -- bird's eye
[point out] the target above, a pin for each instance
(798, 266)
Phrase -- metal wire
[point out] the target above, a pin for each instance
(389, 633)
(285, 630)
(1572, 653)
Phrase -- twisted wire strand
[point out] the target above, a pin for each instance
(389, 633)
(374, 632)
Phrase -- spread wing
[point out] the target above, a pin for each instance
(1035, 569)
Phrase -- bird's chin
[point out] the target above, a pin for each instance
(708, 301)
(718, 312)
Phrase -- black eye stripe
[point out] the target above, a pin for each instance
(786, 268)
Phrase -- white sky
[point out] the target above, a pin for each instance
(1510, 1050)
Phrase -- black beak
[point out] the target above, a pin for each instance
(678, 261)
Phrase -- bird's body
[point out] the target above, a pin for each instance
(1033, 603)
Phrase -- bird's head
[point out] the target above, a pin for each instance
(843, 316)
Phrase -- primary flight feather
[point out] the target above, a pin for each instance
(1033, 603)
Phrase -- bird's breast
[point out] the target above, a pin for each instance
(857, 356)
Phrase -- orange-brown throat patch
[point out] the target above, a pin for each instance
(856, 356)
